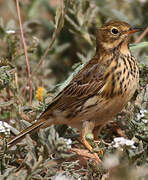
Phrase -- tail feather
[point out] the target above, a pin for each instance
(34, 127)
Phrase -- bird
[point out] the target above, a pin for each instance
(99, 91)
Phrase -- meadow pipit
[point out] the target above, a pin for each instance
(100, 90)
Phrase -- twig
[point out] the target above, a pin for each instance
(57, 31)
(25, 49)
(141, 36)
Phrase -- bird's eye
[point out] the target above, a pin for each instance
(114, 31)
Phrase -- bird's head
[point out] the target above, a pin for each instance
(113, 34)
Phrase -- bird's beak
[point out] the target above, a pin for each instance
(133, 30)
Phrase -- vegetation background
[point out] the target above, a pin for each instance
(59, 37)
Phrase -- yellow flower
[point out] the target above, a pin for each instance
(40, 93)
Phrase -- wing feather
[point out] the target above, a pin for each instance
(85, 84)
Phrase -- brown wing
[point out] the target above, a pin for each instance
(85, 84)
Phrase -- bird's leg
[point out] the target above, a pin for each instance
(87, 127)
(96, 132)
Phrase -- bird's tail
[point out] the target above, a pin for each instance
(34, 127)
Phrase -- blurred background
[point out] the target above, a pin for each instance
(73, 45)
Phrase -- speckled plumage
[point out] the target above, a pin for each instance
(100, 90)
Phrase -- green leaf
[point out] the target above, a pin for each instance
(138, 45)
